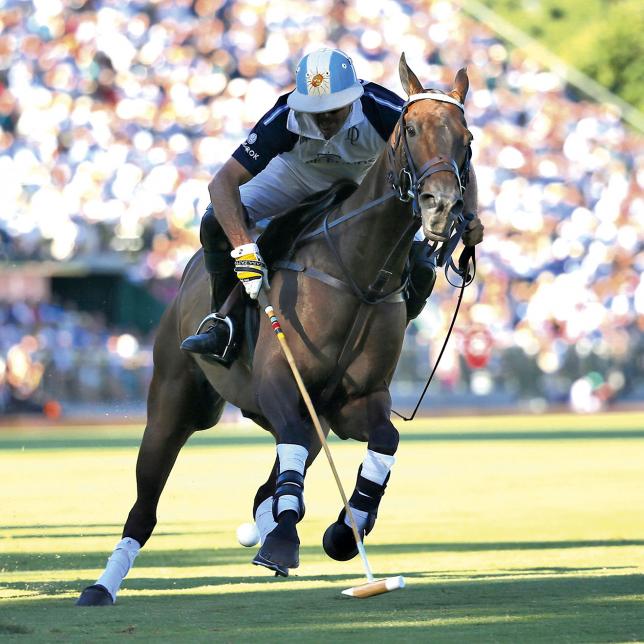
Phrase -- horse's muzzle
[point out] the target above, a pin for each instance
(435, 237)
(438, 227)
(439, 220)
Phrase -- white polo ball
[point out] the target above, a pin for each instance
(248, 535)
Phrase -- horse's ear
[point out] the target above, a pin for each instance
(461, 85)
(409, 80)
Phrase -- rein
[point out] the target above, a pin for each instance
(467, 277)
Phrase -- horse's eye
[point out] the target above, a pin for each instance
(410, 130)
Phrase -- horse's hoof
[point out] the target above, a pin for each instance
(95, 595)
(281, 547)
(339, 543)
(280, 571)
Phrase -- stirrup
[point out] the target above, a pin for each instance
(227, 354)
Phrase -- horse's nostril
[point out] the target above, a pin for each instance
(428, 200)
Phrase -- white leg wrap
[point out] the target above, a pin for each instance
(361, 518)
(376, 467)
(264, 519)
(288, 502)
(291, 457)
(119, 564)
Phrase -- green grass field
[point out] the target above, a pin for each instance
(507, 529)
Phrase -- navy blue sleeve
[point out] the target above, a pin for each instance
(267, 139)
(382, 107)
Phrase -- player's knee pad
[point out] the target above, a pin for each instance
(422, 277)
(216, 247)
(211, 234)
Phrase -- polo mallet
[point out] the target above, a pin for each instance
(373, 586)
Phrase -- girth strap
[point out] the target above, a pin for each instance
(352, 341)
(310, 271)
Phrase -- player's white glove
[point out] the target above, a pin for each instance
(250, 268)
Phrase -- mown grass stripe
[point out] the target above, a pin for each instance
(16, 443)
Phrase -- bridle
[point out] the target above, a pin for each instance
(407, 181)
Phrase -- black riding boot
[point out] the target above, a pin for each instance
(422, 276)
(216, 337)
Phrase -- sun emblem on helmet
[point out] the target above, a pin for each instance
(318, 83)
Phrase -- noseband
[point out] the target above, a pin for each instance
(409, 179)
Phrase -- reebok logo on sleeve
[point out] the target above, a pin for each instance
(249, 151)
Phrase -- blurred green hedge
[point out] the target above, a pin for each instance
(602, 38)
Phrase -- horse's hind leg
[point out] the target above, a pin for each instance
(365, 419)
(180, 401)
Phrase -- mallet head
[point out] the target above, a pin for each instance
(376, 587)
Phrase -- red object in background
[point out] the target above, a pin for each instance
(52, 409)
(477, 347)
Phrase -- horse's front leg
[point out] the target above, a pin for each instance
(279, 401)
(364, 419)
(263, 502)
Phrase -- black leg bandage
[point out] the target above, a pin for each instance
(366, 497)
(422, 277)
(338, 541)
(289, 483)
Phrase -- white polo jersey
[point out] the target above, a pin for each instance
(290, 158)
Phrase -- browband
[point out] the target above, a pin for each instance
(435, 96)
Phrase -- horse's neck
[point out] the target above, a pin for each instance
(366, 241)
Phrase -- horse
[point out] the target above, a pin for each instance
(340, 303)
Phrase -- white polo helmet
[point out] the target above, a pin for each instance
(325, 80)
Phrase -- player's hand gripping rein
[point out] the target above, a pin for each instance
(250, 268)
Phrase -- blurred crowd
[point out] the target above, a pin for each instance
(52, 355)
(114, 116)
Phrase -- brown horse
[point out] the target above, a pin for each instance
(354, 265)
